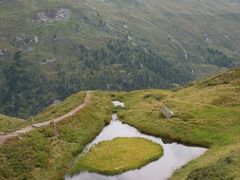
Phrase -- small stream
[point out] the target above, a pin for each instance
(175, 154)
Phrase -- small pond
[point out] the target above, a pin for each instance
(118, 103)
(175, 155)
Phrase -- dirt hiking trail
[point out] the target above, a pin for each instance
(4, 138)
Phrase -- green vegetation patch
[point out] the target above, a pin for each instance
(225, 168)
(118, 155)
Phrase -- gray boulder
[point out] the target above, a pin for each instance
(167, 113)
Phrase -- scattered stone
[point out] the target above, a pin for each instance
(62, 14)
(227, 36)
(130, 38)
(19, 37)
(206, 38)
(47, 61)
(30, 49)
(25, 41)
(167, 112)
(3, 51)
(28, 40)
(37, 125)
(35, 39)
(118, 103)
(55, 102)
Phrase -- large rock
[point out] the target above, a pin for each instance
(167, 113)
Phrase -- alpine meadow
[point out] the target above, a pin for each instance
(119, 89)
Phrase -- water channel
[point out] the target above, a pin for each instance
(175, 155)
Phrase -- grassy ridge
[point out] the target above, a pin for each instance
(8, 124)
(47, 153)
(62, 108)
(206, 113)
(124, 155)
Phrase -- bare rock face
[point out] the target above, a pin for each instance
(47, 17)
(167, 112)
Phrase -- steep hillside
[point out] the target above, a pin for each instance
(112, 45)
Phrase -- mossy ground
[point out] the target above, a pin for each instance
(118, 155)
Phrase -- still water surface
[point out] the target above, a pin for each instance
(175, 155)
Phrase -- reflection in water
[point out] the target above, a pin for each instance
(175, 155)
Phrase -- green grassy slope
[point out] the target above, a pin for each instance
(47, 153)
(207, 113)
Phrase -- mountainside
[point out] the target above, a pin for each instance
(207, 113)
(69, 45)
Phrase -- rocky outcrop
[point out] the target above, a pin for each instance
(48, 17)
(25, 41)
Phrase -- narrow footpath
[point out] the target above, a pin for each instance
(4, 138)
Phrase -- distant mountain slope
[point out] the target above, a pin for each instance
(110, 44)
